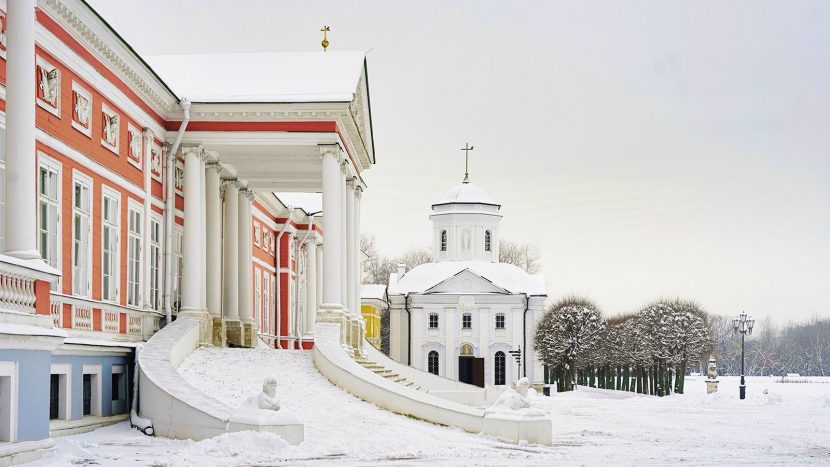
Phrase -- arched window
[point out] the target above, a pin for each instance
(486, 240)
(499, 364)
(443, 240)
(432, 362)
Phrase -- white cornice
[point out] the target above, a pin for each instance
(87, 28)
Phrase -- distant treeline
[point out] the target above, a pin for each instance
(773, 349)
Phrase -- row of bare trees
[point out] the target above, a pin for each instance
(645, 352)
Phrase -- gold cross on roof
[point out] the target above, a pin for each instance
(325, 42)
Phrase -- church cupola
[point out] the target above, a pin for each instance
(466, 225)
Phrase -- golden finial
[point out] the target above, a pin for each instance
(325, 42)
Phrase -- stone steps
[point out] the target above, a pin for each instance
(385, 372)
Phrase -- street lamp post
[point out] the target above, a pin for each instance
(742, 324)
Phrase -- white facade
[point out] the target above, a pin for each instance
(466, 306)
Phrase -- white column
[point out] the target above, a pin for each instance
(332, 244)
(310, 284)
(344, 248)
(194, 229)
(213, 224)
(319, 274)
(350, 250)
(230, 251)
(244, 257)
(147, 139)
(203, 237)
(21, 190)
(358, 270)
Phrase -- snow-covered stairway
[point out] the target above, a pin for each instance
(386, 373)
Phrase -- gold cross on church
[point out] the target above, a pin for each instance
(467, 148)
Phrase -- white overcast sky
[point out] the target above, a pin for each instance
(648, 148)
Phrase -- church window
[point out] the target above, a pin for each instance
(499, 320)
(467, 321)
(432, 362)
(433, 320)
(443, 240)
(499, 362)
(487, 240)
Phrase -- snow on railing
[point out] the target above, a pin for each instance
(17, 292)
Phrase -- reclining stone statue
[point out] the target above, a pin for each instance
(514, 400)
(267, 399)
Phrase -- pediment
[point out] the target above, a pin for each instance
(466, 281)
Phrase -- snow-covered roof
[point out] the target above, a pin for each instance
(466, 193)
(262, 77)
(373, 291)
(511, 278)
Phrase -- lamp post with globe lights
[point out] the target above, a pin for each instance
(742, 324)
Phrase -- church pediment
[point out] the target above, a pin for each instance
(466, 282)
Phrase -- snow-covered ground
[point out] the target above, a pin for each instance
(790, 424)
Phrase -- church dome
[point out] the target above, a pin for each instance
(467, 193)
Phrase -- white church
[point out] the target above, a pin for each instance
(461, 315)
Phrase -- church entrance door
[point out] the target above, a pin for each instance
(471, 370)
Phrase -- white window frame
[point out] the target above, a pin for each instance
(178, 261)
(156, 275)
(437, 371)
(51, 165)
(503, 322)
(437, 321)
(469, 319)
(266, 301)
(257, 296)
(86, 269)
(115, 272)
(82, 92)
(134, 239)
(95, 401)
(65, 407)
(9, 400)
(274, 299)
(488, 241)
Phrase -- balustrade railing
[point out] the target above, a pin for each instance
(56, 310)
(17, 292)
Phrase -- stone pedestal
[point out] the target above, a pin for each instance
(249, 335)
(205, 325)
(233, 333)
(218, 331)
(711, 386)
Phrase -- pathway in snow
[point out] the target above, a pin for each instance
(790, 425)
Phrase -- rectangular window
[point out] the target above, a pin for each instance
(178, 258)
(118, 383)
(257, 297)
(133, 257)
(81, 244)
(499, 320)
(54, 396)
(155, 263)
(466, 321)
(266, 302)
(87, 394)
(273, 297)
(433, 320)
(110, 214)
(48, 215)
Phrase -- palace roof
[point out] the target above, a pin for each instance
(505, 276)
(262, 77)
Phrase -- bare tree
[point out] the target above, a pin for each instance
(523, 255)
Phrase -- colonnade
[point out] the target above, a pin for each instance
(217, 257)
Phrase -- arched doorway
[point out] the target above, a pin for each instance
(470, 368)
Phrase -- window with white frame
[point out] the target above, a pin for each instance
(81, 230)
(91, 387)
(432, 362)
(60, 392)
(155, 263)
(433, 320)
(273, 298)
(49, 192)
(266, 302)
(499, 320)
(466, 321)
(118, 385)
(110, 215)
(9, 388)
(257, 297)
(499, 363)
(178, 259)
(133, 256)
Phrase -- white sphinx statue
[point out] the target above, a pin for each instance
(515, 400)
(267, 399)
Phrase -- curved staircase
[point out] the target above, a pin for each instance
(386, 373)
